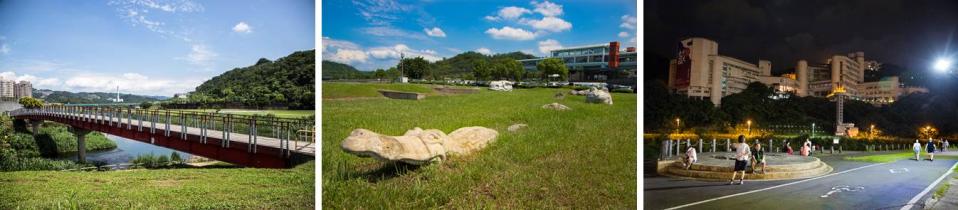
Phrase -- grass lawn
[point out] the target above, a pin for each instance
(278, 113)
(887, 158)
(236, 188)
(334, 90)
(578, 159)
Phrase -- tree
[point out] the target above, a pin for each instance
(30, 103)
(481, 70)
(416, 68)
(380, 74)
(146, 105)
(262, 61)
(512, 69)
(552, 66)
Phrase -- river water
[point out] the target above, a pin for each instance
(125, 151)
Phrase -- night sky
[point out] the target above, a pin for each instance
(910, 34)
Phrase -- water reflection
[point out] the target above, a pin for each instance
(125, 151)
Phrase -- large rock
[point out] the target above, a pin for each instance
(500, 85)
(417, 146)
(516, 127)
(598, 96)
(556, 106)
(466, 140)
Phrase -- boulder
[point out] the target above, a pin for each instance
(598, 96)
(464, 141)
(417, 146)
(556, 106)
(516, 127)
(500, 85)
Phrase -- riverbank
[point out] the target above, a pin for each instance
(21, 150)
(204, 188)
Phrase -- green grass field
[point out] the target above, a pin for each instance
(278, 113)
(236, 188)
(338, 90)
(887, 158)
(583, 158)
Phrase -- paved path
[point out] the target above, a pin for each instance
(852, 185)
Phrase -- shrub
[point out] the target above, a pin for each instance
(175, 158)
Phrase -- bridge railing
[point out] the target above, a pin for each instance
(152, 120)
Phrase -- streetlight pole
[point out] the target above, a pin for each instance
(813, 131)
(677, 125)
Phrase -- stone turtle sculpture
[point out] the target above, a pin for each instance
(418, 146)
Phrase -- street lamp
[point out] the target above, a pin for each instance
(677, 124)
(813, 130)
(749, 122)
(942, 65)
(871, 131)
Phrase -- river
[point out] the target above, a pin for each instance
(125, 151)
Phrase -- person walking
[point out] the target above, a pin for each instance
(917, 148)
(742, 154)
(805, 149)
(758, 157)
(690, 157)
(930, 148)
(944, 145)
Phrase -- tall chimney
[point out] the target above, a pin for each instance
(802, 69)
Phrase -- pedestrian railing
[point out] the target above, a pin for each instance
(671, 148)
(208, 124)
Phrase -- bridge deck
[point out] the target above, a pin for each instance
(302, 147)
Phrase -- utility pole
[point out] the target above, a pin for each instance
(401, 76)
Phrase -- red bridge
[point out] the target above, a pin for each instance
(253, 141)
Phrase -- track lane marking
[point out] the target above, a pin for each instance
(772, 187)
(911, 203)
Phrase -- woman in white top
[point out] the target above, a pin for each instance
(690, 157)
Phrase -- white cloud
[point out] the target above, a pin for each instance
(200, 55)
(348, 56)
(242, 27)
(390, 32)
(552, 24)
(381, 12)
(510, 33)
(623, 34)
(454, 50)
(547, 8)
(337, 44)
(161, 5)
(135, 12)
(548, 45)
(484, 51)
(435, 31)
(395, 51)
(128, 83)
(628, 22)
(512, 12)
(36, 81)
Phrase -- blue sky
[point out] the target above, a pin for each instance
(370, 34)
(151, 47)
